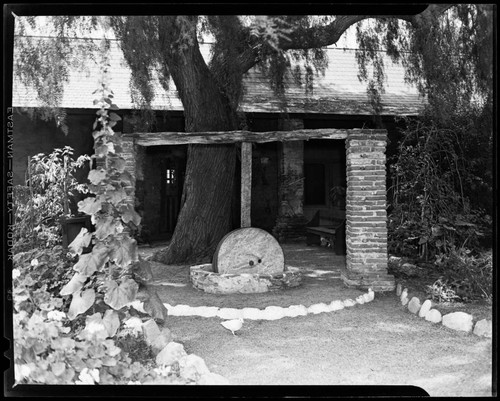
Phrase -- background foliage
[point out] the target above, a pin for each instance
(48, 196)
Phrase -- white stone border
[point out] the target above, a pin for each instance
(460, 321)
(269, 313)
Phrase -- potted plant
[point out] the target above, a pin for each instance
(52, 185)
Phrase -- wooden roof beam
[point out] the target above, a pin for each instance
(182, 138)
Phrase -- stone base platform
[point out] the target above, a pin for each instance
(204, 278)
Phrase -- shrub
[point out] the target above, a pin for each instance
(465, 277)
(434, 179)
(48, 268)
(49, 348)
(69, 338)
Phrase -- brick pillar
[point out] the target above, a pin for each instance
(290, 222)
(366, 226)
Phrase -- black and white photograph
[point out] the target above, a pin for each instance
(271, 199)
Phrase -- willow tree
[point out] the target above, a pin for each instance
(442, 173)
(211, 91)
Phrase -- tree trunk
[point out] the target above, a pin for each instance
(205, 215)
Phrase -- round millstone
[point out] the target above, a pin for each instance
(249, 250)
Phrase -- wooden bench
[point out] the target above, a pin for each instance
(335, 234)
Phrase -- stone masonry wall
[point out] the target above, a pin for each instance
(366, 226)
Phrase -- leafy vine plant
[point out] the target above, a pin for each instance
(104, 277)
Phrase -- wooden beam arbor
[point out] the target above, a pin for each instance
(366, 218)
(186, 138)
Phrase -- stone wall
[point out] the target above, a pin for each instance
(366, 229)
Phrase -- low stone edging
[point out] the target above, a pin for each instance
(269, 313)
(459, 321)
(193, 368)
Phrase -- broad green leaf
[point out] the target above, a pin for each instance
(96, 176)
(81, 302)
(101, 150)
(82, 240)
(126, 178)
(111, 146)
(87, 264)
(89, 205)
(118, 296)
(62, 343)
(111, 321)
(129, 214)
(58, 368)
(123, 251)
(111, 349)
(97, 351)
(142, 271)
(98, 134)
(154, 307)
(116, 196)
(114, 117)
(119, 164)
(105, 227)
(108, 361)
(94, 329)
(74, 284)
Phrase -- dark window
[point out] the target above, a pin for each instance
(314, 184)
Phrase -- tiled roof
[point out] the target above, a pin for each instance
(337, 92)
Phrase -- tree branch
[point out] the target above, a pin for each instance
(429, 13)
(321, 36)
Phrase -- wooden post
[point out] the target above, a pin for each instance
(246, 183)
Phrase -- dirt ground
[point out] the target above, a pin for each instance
(379, 343)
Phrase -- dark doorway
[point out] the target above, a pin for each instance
(161, 190)
(314, 184)
(172, 181)
(324, 176)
